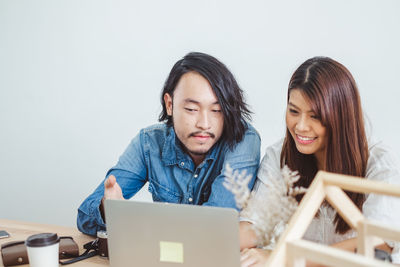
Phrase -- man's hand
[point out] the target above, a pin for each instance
(254, 257)
(112, 190)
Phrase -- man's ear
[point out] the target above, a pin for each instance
(168, 103)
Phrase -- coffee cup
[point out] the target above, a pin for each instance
(43, 250)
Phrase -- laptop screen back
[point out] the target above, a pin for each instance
(163, 234)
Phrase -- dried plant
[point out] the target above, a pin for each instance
(271, 212)
(238, 184)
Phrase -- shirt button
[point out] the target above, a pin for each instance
(182, 163)
(196, 175)
(190, 199)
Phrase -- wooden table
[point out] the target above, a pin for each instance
(21, 230)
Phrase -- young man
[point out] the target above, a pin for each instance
(183, 159)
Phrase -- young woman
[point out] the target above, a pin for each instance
(325, 131)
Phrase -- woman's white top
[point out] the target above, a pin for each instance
(381, 167)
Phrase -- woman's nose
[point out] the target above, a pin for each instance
(303, 124)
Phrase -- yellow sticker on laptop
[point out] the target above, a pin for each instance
(171, 252)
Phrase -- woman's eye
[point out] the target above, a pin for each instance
(316, 117)
(293, 111)
(216, 110)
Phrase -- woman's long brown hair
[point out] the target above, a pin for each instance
(334, 98)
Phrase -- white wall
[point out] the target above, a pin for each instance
(79, 78)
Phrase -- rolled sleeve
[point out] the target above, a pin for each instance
(130, 173)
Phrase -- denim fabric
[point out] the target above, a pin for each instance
(156, 156)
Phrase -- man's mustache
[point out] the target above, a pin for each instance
(202, 133)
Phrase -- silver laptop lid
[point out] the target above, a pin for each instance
(163, 234)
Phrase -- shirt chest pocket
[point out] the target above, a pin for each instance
(161, 193)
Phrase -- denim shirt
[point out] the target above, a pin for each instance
(156, 156)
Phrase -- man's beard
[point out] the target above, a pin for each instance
(193, 152)
(185, 148)
(201, 132)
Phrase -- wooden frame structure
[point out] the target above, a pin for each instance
(291, 250)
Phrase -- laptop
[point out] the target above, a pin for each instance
(171, 235)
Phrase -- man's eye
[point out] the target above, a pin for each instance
(190, 109)
(216, 110)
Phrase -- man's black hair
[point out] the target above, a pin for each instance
(225, 87)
